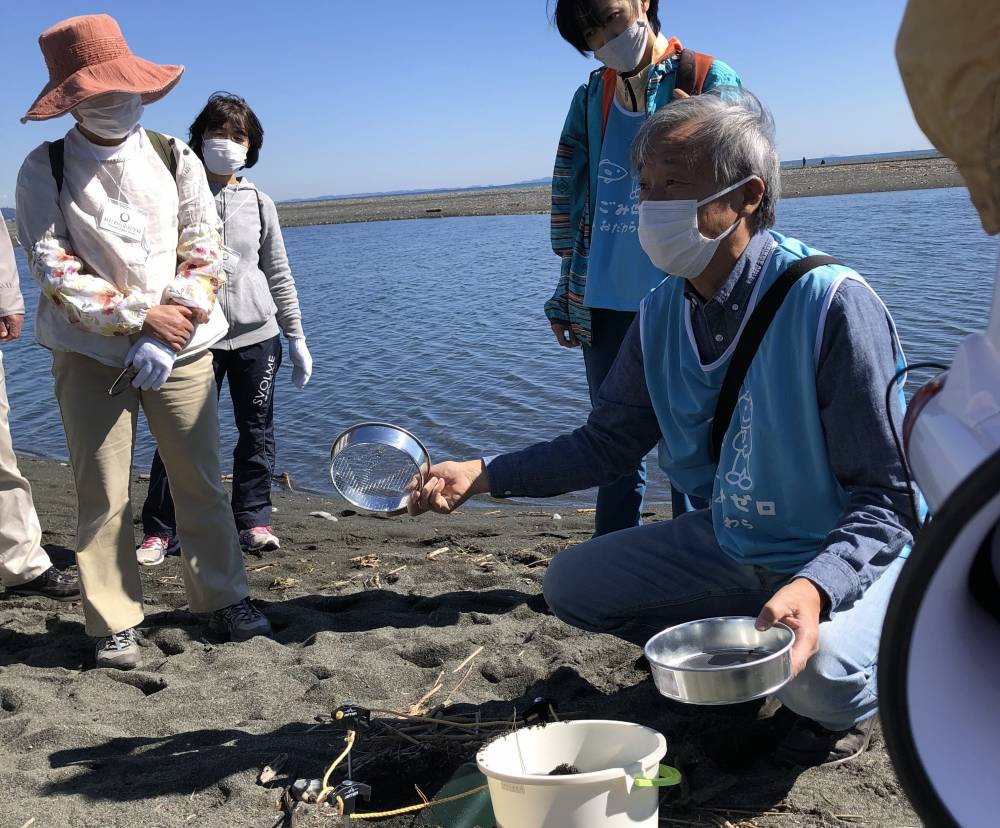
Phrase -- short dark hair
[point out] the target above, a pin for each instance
(227, 110)
(573, 17)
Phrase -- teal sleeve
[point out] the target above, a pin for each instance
(722, 79)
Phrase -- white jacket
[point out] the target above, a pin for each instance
(98, 285)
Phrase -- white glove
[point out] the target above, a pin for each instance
(302, 362)
(153, 362)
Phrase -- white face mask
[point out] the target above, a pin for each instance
(669, 234)
(222, 156)
(111, 116)
(625, 52)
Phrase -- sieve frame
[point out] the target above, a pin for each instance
(385, 434)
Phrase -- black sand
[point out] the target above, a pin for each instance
(181, 741)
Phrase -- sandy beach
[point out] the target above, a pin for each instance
(366, 610)
(831, 179)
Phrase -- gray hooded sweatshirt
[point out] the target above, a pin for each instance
(259, 299)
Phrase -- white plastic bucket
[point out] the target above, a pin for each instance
(618, 784)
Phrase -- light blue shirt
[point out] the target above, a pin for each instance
(620, 273)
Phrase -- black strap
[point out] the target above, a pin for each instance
(749, 342)
(57, 157)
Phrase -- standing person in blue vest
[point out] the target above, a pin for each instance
(595, 198)
(810, 517)
(260, 301)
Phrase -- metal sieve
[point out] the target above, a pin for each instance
(371, 464)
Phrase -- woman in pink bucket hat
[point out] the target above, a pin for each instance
(123, 238)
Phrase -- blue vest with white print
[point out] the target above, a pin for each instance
(774, 494)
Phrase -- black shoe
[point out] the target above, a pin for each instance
(50, 584)
(810, 745)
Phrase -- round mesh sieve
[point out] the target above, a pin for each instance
(374, 476)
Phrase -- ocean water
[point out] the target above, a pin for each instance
(437, 325)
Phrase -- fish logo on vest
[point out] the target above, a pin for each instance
(609, 172)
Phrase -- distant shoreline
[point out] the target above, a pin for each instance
(796, 182)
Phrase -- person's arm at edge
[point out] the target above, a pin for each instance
(274, 264)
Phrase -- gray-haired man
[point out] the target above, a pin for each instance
(25, 568)
(809, 514)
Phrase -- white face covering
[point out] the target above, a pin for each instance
(111, 116)
(625, 52)
(222, 156)
(669, 234)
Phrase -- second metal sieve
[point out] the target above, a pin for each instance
(372, 464)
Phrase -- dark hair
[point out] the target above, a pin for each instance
(573, 17)
(226, 110)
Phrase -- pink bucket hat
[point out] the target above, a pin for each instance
(88, 56)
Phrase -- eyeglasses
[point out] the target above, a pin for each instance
(120, 385)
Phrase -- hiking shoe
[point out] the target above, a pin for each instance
(50, 584)
(809, 744)
(259, 539)
(155, 548)
(119, 651)
(240, 622)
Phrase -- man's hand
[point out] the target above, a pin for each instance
(564, 335)
(448, 486)
(171, 324)
(10, 326)
(798, 606)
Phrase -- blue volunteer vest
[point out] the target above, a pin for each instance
(774, 495)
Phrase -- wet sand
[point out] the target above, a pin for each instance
(831, 179)
(364, 612)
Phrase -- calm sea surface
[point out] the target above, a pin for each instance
(437, 325)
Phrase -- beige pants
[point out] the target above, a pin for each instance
(22, 558)
(100, 431)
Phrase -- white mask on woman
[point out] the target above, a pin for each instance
(222, 156)
(110, 116)
(669, 234)
(624, 53)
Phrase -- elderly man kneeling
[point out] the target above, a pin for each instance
(810, 517)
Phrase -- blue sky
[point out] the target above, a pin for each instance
(386, 95)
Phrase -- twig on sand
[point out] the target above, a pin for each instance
(586, 511)
(261, 567)
(465, 663)
(437, 553)
(458, 686)
(494, 513)
(418, 708)
(367, 562)
(29, 823)
(397, 570)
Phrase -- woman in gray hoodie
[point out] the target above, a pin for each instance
(260, 302)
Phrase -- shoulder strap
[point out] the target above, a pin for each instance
(692, 70)
(753, 334)
(610, 78)
(57, 157)
(164, 148)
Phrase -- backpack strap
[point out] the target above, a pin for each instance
(164, 147)
(749, 342)
(692, 71)
(610, 78)
(57, 160)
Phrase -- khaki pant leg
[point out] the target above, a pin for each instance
(22, 558)
(184, 419)
(100, 433)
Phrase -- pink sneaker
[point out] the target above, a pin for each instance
(155, 548)
(259, 539)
